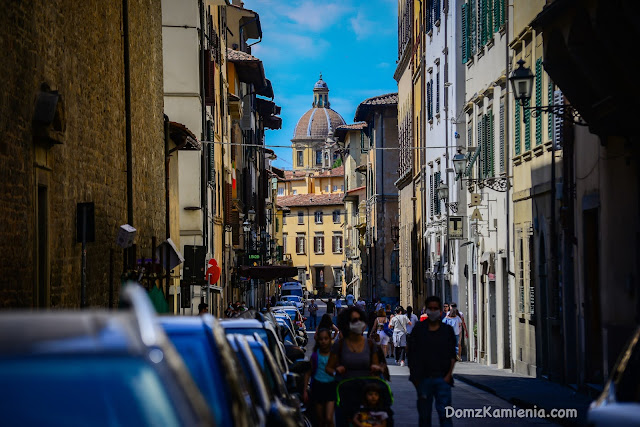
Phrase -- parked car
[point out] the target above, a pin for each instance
(275, 412)
(286, 386)
(96, 368)
(265, 331)
(296, 300)
(298, 321)
(283, 318)
(292, 288)
(619, 403)
(203, 345)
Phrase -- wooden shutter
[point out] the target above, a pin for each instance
(436, 200)
(491, 157)
(432, 209)
(437, 92)
(558, 99)
(518, 146)
(496, 16)
(539, 76)
(501, 130)
(550, 116)
(502, 12)
(464, 16)
(473, 34)
(436, 10)
(209, 80)
(527, 127)
(479, 128)
(483, 22)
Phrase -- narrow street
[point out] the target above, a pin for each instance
(464, 396)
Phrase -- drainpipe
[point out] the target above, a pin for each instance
(205, 155)
(167, 216)
(127, 112)
(446, 155)
(507, 146)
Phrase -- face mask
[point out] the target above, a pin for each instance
(357, 327)
(433, 315)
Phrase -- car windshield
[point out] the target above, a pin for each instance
(297, 292)
(203, 362)
(292, 298)
(83, 391)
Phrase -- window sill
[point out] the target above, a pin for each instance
(503, 29)
(481, 52)
(437, 23)
(470, 62)
(517, 160)
(526, 156)
(438, 116)
(548, 146)
(538, 150)
(430, 121)
(490, 43)
(430, 33)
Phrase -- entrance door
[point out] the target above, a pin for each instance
(493, 330)
(320, 279)
(592, 329)
(506, 313)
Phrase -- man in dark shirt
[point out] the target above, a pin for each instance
(432, 355)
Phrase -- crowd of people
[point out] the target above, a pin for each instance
(344, 356)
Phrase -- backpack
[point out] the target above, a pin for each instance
(382, 361)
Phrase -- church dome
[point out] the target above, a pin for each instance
(320, 121)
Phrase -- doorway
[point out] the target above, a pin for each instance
(592, 324)
(506, 315)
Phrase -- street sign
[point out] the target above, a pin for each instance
(476, 215)
(456, 228)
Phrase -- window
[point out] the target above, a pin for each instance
(502, 139)
(337, 275)
(336, 217)
(300, 217)
(299, 155)
(300, 243)
(295, 192)
(277, 225)
(318, 216)
(517, 142)
(336, 244)
(284, 243)
(284, 217)
(436, 200)
(335, 188)
(318, 244)
(318, 157)
(438, 92)
(342, 188)
(326, 189)
(538, 83)
(280, 191)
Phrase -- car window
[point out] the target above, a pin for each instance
(86, 391)
(271, 374)
(262, 333)
(204, 365)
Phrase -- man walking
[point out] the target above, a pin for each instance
(432, 355)
(313, 314)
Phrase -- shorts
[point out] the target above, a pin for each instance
(384, 338)
(323, 392)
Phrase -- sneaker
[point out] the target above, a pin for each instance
(458, 359)
(402, 363)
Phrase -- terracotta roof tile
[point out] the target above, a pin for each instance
(365, 106)
(353, 126)
(310, 200)
(240, 56)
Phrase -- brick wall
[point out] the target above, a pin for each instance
(77, 49)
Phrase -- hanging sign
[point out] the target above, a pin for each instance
(456, 231)
(476, 215)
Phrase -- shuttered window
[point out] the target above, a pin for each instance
(473, 20)
(318, 244)
(527, 126)
(210, 153)
(502, 139)
(480, 129)
(496, 16)
(300, 244)
(517, 125)
(550, 116)
(436, 10)
(436, 200)
(437, 92)
(489, 19)
(558, 124)
(336, 244)
(539, 77)
(491, 146)
(431, 208)
(465, 33)
(482, 23)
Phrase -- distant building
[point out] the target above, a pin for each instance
(311, 197)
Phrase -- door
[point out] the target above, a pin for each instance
(592, 328)
(320, 278)
(492, 327)
(506, 313)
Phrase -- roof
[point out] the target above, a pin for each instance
(341, 131)
(339, 171)
(367, 105)
(317, 123)
(311, 200)
(183, 137)
(294, 175)
(248, 67)
(353, 190)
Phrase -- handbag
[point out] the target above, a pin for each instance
(386, 330)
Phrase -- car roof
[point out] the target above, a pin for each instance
(59, 332)
(292, 284)
(241, 323)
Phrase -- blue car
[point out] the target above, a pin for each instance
(95, 368)
(215, 368)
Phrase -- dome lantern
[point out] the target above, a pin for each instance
(321, 94)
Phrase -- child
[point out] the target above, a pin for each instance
(323, 385)
(372, 412)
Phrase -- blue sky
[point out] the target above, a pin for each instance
(352, 42)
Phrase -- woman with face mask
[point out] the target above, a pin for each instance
(353, 355)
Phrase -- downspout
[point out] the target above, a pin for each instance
(446, 156)
(205, 155)
(507, 147)
(383, 205)
(167, 216)
(127, 112)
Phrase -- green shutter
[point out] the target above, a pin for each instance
(527, 127)
(550, 115)
(473, 34)
(491, 147)
(489, 19)
(502, 137)
(431, 207)
(539, 100)
(486, 142)
(482, 21)
(518, 146)
(496, 16)
(465, 32)
(502, 12)
(480, 142)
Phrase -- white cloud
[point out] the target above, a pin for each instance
(383, 65)
(290, 47)
(361, 26)
(315, 16)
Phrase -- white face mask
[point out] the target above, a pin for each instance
(357, 327)
(433, 315)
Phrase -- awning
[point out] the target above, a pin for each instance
(248, 67)
(268, 272)
(183, 137)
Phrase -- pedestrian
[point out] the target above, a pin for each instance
(362, 305)
(313, 314)
(350, 300)
(323, 385)
(379, 305)
(389, 314)
(432, 355)
(464, 324)
(399, 325)
(338, 308)
(445, 311)
(380, 326)
(372, 412)
(331, 307)
(327, 323)
(352, 355)
(203, 308)
(273, 300)
(454, 320)
(413, 319)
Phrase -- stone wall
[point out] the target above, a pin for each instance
(76, 48)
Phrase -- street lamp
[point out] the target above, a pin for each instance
(522, 81)
(460, 164)
(251, 215)
(443, 191)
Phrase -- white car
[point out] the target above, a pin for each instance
(619, 403)
(296, 300)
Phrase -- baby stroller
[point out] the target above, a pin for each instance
(349, 396)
